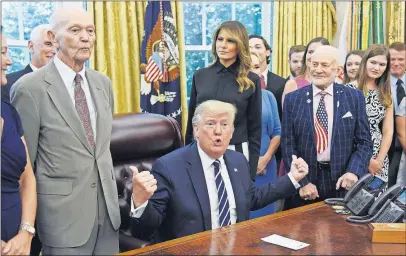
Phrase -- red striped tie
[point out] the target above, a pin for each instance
(321, 125)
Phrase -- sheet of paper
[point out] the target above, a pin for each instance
(284, 242)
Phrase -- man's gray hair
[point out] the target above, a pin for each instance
(61, 17)
(38, 32)
(213, 107)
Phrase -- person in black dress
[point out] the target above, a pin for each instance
(229, 79)
(18, 186)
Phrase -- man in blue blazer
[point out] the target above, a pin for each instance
(326, 124)
(203, 186)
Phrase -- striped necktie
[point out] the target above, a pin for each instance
(223, 206)
(321, 125)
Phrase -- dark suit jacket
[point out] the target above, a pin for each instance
(181, 205)
(276, 85)
(351, 146)
(11, 79)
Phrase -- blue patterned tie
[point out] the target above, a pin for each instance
(224, 207)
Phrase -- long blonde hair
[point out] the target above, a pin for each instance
(240, 36)
(382, 82)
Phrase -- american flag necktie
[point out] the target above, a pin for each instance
(223, 206)
(83, 110)
(321, 125)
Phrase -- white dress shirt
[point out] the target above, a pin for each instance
(265, 74)
(329, 103)
(34, 68)
(394, 86)
(208, 169)
(68, 77)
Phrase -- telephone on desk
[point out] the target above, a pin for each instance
(388, 208)
(361, 196)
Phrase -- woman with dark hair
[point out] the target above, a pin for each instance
(270, 140)
(18, 186)
(303, 78)
(351, 65)
(229, 79)
(373, 80)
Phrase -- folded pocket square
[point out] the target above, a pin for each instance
(348, 114)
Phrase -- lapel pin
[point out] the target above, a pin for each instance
(307, 93)
(235, 169)
(309, 100)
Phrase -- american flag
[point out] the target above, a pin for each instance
(321, 126)
(153, 72)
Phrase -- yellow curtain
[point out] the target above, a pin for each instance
(119, 33)
(297, 23)
(395, 17)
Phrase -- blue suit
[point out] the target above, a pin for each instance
(351, 146)
(180, 206)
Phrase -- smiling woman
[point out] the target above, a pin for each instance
(229, 79)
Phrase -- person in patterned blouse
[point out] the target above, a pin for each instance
(373, 80)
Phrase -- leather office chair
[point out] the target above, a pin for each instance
(138, 140)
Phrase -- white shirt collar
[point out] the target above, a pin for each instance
(265, 73)
(329, 90)
(207, 160)
(67, 74)
(34, 68)
(393, 80)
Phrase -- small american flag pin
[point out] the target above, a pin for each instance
(235, 169)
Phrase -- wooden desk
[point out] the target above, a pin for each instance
(316, 224)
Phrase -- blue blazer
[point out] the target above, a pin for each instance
(180, 206)
(351, 145)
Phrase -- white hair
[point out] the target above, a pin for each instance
(213, 106)
(328, 50)
(38, 32)
(61, 17)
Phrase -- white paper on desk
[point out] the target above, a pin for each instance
(284, 242)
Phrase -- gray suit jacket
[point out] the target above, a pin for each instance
(66, 167)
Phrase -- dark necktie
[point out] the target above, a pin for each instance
(262, 79)
(321, 125)
(224, 207)
(400, 91)
(83, 110)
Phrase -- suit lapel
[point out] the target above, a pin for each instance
(308, 103)
(97, 97)
(27, 69)
(238, 189)
(57, 92)
(196, 173)
(337, 111)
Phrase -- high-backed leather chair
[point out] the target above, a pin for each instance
(138, 140)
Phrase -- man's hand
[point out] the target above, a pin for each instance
(346, 180)
(262, 162)
(144, 186)
(375, 166)
(309, 192)
(18, 245)
(299, 168)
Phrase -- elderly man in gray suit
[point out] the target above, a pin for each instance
(66, 111)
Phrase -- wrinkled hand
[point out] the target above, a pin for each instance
(299, 168)
(346, 180)
(262, 163)
(18, 245)
(375, 166)
(309, 192)
(144, 186)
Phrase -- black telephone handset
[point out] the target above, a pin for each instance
(388, 207)
(361, 196)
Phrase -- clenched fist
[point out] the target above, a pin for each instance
(144, 186)
(299, 168)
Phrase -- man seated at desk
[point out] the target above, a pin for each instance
(203, 186)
